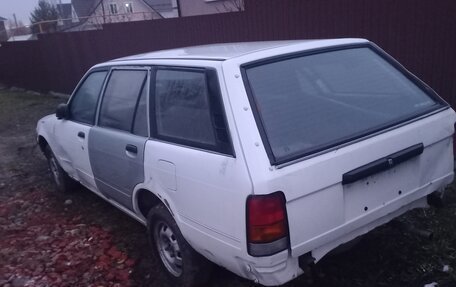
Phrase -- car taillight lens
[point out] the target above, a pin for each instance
(267, 228)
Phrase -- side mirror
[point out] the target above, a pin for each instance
(62, 111)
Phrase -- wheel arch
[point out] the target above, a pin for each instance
(42, 143)
(145, 200)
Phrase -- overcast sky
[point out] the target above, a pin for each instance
(21, 8)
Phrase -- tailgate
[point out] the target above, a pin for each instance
(322, 208)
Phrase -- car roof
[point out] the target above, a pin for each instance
(221, 52)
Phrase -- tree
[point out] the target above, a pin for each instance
(44, 18)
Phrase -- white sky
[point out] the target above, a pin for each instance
(21, 8)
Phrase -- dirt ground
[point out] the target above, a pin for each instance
(48, 239)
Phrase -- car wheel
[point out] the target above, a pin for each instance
(181, 263)
(63, 183)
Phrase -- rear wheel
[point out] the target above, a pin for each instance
(181, 263)
(63, 183)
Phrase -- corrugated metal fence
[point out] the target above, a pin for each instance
(419, 33)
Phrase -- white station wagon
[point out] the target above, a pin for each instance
(259, 157)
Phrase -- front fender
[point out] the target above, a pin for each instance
(44, 129)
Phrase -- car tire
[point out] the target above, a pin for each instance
(182, 265)
(63, 183)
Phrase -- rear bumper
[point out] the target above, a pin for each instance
(273, 270)
(325, 242)
(283, 267)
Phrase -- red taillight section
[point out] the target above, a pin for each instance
(266, 218)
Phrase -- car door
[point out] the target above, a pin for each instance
(71, 134)
(116, 143)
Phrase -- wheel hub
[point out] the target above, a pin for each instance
(168, 248)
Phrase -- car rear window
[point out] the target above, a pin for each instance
(309, 103)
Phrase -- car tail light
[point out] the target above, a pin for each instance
(267, 227)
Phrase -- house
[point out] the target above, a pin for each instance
(92, 14)
(203, 7)
(3, 33)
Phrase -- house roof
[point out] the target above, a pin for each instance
(2, 19)
(160, 5)
(85, 8)
(234, 50)
(64, 10)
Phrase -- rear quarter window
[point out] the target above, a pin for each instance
(182, 106)
(188, 109)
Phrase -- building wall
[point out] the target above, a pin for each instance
(203, 7)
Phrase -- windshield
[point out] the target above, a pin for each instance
(309, 103)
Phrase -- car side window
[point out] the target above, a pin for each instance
(120, 99)
(187, 109)
(84, 102)
(182, 106)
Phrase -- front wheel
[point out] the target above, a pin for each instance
(181, 263)
(63, 183)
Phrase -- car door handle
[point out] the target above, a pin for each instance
(81, 135)
(131, 148)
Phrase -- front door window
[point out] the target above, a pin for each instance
(83, 104)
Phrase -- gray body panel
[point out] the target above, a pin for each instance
(116, 170)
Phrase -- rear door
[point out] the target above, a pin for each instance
(117, 142)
